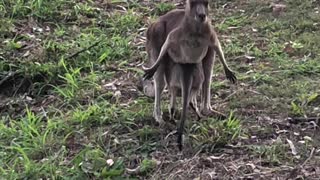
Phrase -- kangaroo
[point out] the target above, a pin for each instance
(179, 45)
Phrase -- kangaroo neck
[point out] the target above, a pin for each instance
(193, 27)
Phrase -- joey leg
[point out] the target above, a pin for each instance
(159, 84)
(194, 105)
(172, 107)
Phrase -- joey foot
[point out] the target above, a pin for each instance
(196, 110)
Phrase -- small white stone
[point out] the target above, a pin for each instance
(110, 162)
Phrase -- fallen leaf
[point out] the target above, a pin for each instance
(117, 94)
(307, 138)
(216, 157)
(110, 162)
(116, 141)
(251, 165)
(28, 98)
(282, 131)
(37, 29)
(296, 133)
(26, 54)
(292, 147)
(135, 170)
(111, 85)
(254, 30)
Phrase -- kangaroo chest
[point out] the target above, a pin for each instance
(188, 49)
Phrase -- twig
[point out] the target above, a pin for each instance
(310, 156)
(254, 92)
(83, 50)
(232, 94)
(170, 134)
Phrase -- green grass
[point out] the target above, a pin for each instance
(211, 134)
(70, 108)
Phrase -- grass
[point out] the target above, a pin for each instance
(70, 108)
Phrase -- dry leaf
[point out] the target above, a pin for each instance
(292, 147)
(111, 85)
(307, 138)
(110, 162)
(117, 94)
(296, 133)
(26, 54)
(216, 157)
(251, 165)
(133, 171)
